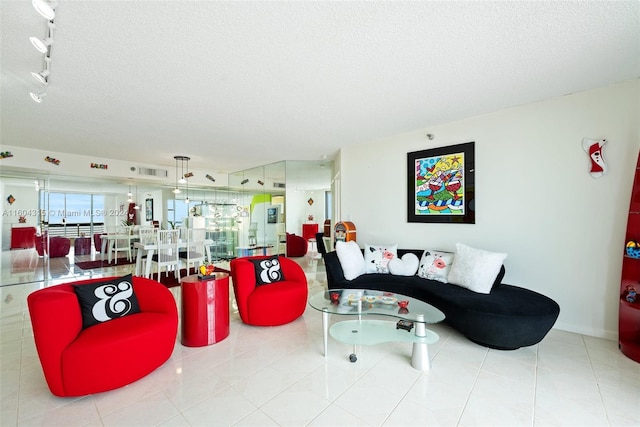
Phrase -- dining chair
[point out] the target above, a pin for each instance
(120, 244)
(147, 235)
(282, 238)
(167, 254)
(195, 250)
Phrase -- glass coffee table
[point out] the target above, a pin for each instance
(363, 303)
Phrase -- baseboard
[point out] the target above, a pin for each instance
(597, 333)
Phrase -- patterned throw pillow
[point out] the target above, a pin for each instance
(377, 257)
(268, 270)
(435, 265)
(108, 300)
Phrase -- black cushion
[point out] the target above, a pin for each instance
(268, 270)
(106, 300)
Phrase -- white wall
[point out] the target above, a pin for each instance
(562, 229)
(298, 209)
(77, 165)
(25, 204)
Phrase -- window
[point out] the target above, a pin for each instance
(71, 214)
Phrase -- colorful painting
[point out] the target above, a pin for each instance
(441, 185)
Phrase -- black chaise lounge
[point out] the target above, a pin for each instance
(507, 318)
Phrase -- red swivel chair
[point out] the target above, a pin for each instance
(77, 361)
(97, 242)
(269, 304)
(55, 247)
(296, 245)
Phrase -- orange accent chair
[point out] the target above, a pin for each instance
(269, 304)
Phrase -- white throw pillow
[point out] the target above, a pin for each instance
(377, 257)
(435, 265)
(351, 259)
(475, 269)
(407, 265)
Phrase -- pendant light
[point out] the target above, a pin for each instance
(136, 206)
(183, 175)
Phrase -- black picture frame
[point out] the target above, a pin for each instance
(148, 209)
(272, 215)
(441, 185)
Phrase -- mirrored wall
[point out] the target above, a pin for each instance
(256, 209)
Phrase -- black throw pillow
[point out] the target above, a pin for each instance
(107, 300)
(268, 270)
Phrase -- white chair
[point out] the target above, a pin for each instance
(167, 254)
(121, 241)
(253, 234)
(148, 236)
(282, 238)
(195, 250)
(328, 243)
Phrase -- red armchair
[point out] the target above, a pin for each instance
(296, 245)
(55, 247)
(106, 356)
(270, 304)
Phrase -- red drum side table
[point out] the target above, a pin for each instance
(205, 309)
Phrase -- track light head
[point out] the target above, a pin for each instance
(41, 77)
(37, 97)
(46, 9)
(41, 45)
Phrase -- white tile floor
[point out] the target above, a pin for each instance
(278, 377)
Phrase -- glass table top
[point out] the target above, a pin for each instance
(369, 302)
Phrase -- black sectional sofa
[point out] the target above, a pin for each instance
(507, 318)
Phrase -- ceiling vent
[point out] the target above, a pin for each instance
(279, 185)
(161, 173)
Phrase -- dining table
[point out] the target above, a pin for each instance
(148, 249)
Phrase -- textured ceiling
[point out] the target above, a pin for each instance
(240, 84)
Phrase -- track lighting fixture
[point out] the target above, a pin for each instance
(244, 181)
(44, 8)
(41, 45)
(37, 97)
(41, 77)
(47, 10)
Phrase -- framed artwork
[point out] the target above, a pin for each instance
(148, 209)
(441, 185)
(272, 215)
